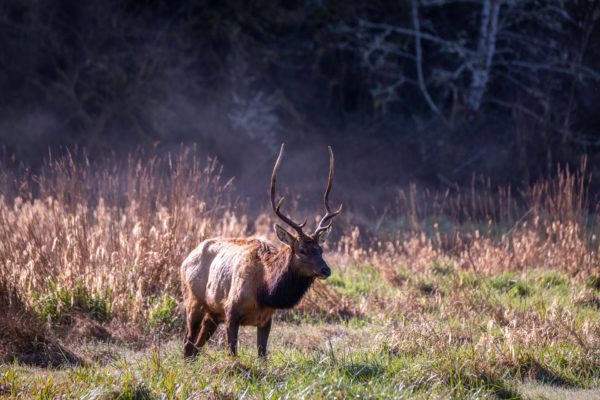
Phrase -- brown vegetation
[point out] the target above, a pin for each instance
(106, 240)
(23, 337)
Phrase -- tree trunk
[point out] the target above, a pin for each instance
(486, 47)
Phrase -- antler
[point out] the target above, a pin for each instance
(276, 207)
(323, 225)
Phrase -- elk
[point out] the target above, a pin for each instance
(242, 281)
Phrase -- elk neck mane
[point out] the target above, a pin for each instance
(283, 286)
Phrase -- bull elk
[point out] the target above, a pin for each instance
(242, 281)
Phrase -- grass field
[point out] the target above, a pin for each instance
(478, 295)
(453, 334)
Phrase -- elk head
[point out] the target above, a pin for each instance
(307, 254)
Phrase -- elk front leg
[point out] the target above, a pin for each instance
(233, 326)
(262, 337)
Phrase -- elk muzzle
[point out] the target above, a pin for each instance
(325, 272)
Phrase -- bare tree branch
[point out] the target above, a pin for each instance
(419, 61)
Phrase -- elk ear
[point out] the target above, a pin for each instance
(323, 235)
(284, 236)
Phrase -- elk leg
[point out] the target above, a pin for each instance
(209, 326)
(262, 337)
(233, 326)
(192, 324)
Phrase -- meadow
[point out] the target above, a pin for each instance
(479, 293)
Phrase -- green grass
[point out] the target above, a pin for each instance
(164, 314)
(441, 334)
(351, 367)
(359, 282)
(332, 372)
(57, 304)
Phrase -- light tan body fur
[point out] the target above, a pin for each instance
(239, 282)
(223, 274)
(243, 281)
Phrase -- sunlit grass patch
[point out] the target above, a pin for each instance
(509, 284)
(442, 269)
(552, 279)
(58, 303)
(318, 361)
(358, 281)
(164, 314)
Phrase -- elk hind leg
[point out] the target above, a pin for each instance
(209, 326)
(194, 316)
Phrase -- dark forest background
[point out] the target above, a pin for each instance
(428, 91)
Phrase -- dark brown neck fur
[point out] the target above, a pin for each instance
(283, 286)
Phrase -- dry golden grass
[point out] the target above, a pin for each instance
(124, 226)
(469, 290)
(120, 226)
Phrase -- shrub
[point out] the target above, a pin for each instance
(58, 303)
(164, 313)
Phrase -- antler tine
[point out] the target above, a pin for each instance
(276, 207)
(323, 225)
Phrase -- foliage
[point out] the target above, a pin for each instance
(164, 313)
(470, 297)
(504, 88)
(58, 303)
(411, 345)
